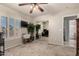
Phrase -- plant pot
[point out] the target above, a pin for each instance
(37, 36)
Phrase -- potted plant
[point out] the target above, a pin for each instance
(30, 29)
(37, 30)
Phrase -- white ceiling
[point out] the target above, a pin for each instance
(52, 8)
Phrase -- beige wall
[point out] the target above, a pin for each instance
(56, 25)
(8, 12)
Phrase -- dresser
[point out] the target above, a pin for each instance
(2, 44)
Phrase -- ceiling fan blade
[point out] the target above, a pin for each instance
(22, 4)
(32, 8)
(42, 3)
(31, 11)
(30, 3)
(41, 9)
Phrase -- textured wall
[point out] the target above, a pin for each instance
(56, 25)
(15, 39)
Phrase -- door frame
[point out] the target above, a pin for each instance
(77, 53)
(64, 20)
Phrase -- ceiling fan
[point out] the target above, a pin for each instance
(33, 6)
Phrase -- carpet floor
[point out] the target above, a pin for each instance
(40, 47)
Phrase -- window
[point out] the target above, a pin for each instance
(11, 26)
(4, 25)
(18, 26)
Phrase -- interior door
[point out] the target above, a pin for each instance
(77, 44)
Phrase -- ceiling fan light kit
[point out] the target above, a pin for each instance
(33, 6)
